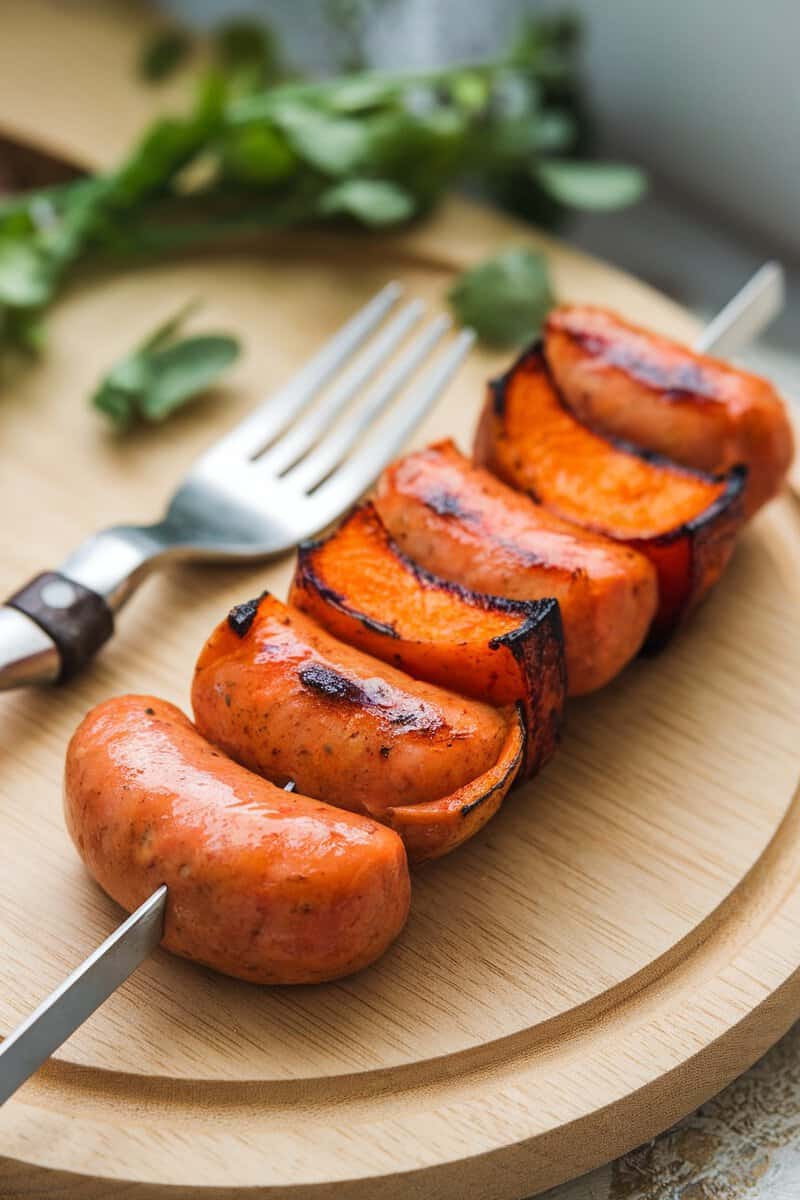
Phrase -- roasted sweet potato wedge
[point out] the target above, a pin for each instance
(694, 409)
(358, 584)
(685, 522)
(283, 697)
(464, 525)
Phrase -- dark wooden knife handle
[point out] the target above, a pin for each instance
(77, 619)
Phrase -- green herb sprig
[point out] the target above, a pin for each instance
(163, 373)
(375, 148)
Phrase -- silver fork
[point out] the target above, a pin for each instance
(284, 473)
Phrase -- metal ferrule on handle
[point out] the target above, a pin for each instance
(57, 622)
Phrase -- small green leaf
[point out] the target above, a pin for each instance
(334, 145)
(117, 404)
(163, 54)
(161, 374)
(131, 374)
(26, 274)
(505, 299)
(371, 201)
(469, 90)
(357, 93)
(119, 394)
(183, 371)
(257, 154)
(591, 185)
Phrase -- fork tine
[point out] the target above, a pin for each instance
(274, 413)
(320, 462)
(353, 477)
(302, 436)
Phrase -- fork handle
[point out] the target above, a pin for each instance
(53, 626)
(57, 622)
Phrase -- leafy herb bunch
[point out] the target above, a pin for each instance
(374, 147)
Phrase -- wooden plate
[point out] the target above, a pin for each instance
(618, 943)
(622, 940)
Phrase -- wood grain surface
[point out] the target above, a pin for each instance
(622, 940)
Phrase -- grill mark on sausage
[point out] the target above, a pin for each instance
(374, 694)
(678, 382)
(445, 503)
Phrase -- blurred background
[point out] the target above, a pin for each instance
(704, 93)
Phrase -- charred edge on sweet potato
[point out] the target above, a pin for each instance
(513, 772)
(241, 617)
(542, 660)
(535, 610)
(306, 576)
(728, 501)
(533, 359)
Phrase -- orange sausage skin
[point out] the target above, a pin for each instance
(288, 700)
(697, 410)
(265, 885)
(463, 524)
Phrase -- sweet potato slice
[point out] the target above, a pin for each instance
(464, 525)
(694, 409)
(363, 589)
(685, 522)
(283, 697)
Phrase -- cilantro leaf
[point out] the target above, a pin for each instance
(591, 185)
(371, 201)
(26, 273)
(504, 299)
(163, 373)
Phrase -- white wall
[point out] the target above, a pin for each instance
(708, 93)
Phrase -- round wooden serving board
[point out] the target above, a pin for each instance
(619, 942)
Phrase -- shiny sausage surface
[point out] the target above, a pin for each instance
(264, 885)
(660, 395)
(462, 523)
(285, 698)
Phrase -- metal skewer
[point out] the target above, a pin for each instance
(747, 314)
(742, 319)
(89, 985)
(82, 992)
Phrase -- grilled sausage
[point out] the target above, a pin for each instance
(264, 885)
(657, 394)
(286, 699)
(463, 524)
(358, 584)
